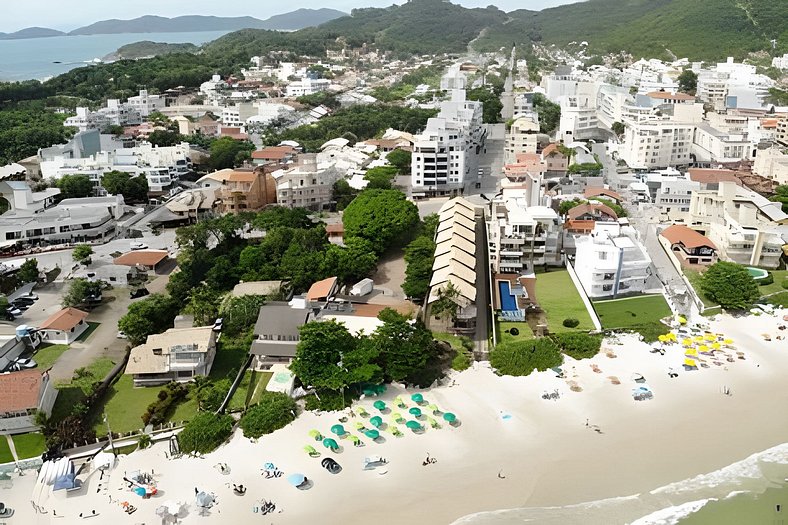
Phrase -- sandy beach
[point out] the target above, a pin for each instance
(512, 448)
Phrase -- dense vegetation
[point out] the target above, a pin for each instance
(730, 285)
(520, 358)
(384, 218)
(490, 96)
(274, 411)
(357, 122)
(205, 432)
(25, 129)
(419, 257)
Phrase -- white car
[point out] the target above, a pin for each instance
(138, 246)
(122, 335)
(25, 363)
(218, 324)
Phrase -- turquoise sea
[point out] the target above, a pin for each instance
(753, 491)
(35, 58)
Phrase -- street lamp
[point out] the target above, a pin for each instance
(109, 432)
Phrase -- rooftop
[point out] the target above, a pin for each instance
(678, 233)
(19, 390)
(143, 360)
(582, 209)
(712, 176)
(64, 320)
(664, 95)
(321, 289)
(142, 257)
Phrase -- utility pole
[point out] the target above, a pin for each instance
(109, 433)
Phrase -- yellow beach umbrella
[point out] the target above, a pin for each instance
(662, 338)
(709, 337)
(691, 351)
(689, 362)
(687, 342)
(703, 348)
(698, 338)
(671, 336)
(728, 341)
(716, 346)
(682, 319)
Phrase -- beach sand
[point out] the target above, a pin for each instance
(543, 449)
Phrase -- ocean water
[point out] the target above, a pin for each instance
(34, 58)
(751, 491)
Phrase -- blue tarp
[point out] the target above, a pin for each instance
(64, 482)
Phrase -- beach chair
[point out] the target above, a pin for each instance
(361, 412)
(399, 402)
(360, 426)
(355, 440)
(394, 430)
(434, 409)
(433, 423)
(316, 435)
(309, 449)
(397, 417)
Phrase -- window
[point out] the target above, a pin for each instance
(602, 256)
(607, 287)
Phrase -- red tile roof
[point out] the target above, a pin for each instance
(273, 153)
(550, 149)
(335, 228)
(577, 211)
(711, 176)
(604, 192)
(141, 257)
(321, 289)
(19, 390)
(64, 320)
(678, 233)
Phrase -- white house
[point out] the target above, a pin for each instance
(179, 354)
(22, 395)
(145, 104)
(64, 327)
(521, 137)
(611, 261)
(307, 86)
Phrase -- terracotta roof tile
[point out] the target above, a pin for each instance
(711, 176)
(64, 320)
(597, 192)
(664, 95)
(678, 233)
(577, 211)
(142, 257)
(19, 390)
(321, 289)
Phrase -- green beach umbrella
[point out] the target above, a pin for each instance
(448, 416)
(316, 435)
(372, 434)
(413, 425)
(380, 388)
(380, 405)
(417, 398)
(339, 430)
(415, 411)
(376, 421)
(330, 443)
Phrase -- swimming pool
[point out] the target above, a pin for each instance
(508, 302)
(757, 273)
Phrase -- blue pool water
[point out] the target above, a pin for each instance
(508, 303)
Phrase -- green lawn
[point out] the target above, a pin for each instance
(30, 445)
(262, 381)
(47, 355)
(694, 277)
(776, 286)
(5, 451)
(124, 406)
(230, 355)
(454, 340)
(249, 391)
(72, 392)
(185, 411)
(560, 300)
(631, 311)
(89, 330)
(505, 335)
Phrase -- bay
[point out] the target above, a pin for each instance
(34, 58)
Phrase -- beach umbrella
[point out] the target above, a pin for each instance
(316, 435)
(448, 416)
(698, 338)
(690, 363)
(380, 388)
(692, 352)
(399, 402)
(682, 319)
(330, 443)
(339, 430)
(66, 481)
(380, 405)
(728, 341)
(662, 338)
(415, 411)
(703, 348)
(140, 491)
(687, 342)
(376, 421)
(417, 398)
(413, 425)
(716, 346)
(434, 409)
(372, 434)
(296, 479)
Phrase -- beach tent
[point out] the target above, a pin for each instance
(376, 421)
(297, 480)
(65, 482)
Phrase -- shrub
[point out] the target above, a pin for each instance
(730, 285)
(577, 344)
(785, 284)
(461, 362)
(571, 322)
(520, 358)
(205, 432)
(156, 412)
(330, 400)
(274, 411)
(769, 279)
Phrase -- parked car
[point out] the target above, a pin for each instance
(218, 324)
(23, 300)
(20, 306)
(139, 292)
(31, 295)
(16, 312)
(122, 335)
(25, 363)
(330, 465)
(138, 246)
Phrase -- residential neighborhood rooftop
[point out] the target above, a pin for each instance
(64, 320)
(142, 257)
(19, 390)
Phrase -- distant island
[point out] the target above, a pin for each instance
(147, 49)
(291, 21)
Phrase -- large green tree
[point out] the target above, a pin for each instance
(28, 272)
(151, 315)
(75, 186)
(79, 291)
(350, 263)
(319, 352)
(274, 411)
(549, 113)
(227, 153)
(781, 196)
(730, 285)
(520, 358)
(419, 257)
(400, 159)
(133, 189)
(688, 81)
(381, 177)
(380, 216)
(404, 347)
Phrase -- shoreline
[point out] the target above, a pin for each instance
(545, 452)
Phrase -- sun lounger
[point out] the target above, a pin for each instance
(309, 449)
(397, 417)
(316, 435)
(399, 402)
(359, 426)
(433, 423)
(434, 409)
(361, 412)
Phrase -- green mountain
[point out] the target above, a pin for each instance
(31, 32)
(697, 29)
(146, 48)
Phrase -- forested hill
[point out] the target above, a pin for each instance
(697, 29)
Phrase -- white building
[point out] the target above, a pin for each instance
(772, 163)
(710, 144)
(445, 155)
(780, 62)
(746, 227)
(307, 86)
(611, 261)
(179, 354)
(733, 85)
(673, 193)
(521, 137)
(307, 184)
(212, 89)
(86, 119)
(145, 104)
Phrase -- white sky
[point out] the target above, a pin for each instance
(68, 15)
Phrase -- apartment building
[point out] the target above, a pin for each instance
(745, 227)
(145, 103)
(781, 133)
(445, 155)
(733, 85)
(307, 86)
(671, 193)
(611, 261)
(710, 144)
(521, 137)
(307, 184)
(772, 163)
(241, 190)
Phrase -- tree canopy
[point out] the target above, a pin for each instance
(520, 358)
(730, 285)
(151, 315)
(28, 272)
(688, 81)
(133, 189)
(227, 152)
(79, 291)
(274, 411)
(205, 432)
(75, 186)
(400, 159)
(380, 216)
(549, 113)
